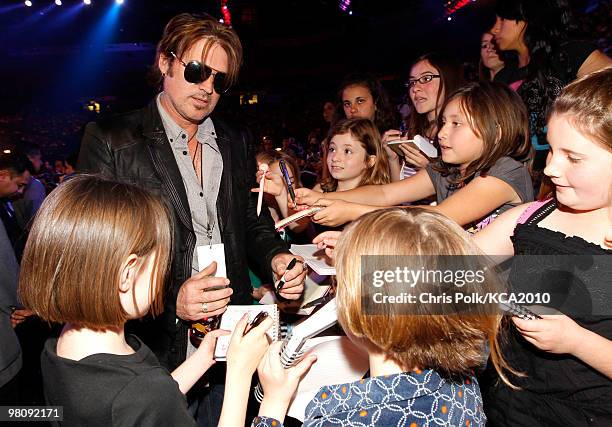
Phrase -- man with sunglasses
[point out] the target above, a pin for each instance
(204, 169)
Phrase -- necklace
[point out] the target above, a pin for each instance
(193, 159)
(198, 147)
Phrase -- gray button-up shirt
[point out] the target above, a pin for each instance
(202, 198)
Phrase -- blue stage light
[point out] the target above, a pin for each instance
(119, 1)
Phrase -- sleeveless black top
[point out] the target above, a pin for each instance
(558, 389)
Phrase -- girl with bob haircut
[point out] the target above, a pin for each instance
(421, 360)
(96, 257)
(484, 139)
(566, 357)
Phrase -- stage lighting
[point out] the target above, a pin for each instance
(28, 3)
(58, 2)
(87, 2)
(119, 1)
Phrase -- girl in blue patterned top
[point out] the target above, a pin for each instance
(421, 356)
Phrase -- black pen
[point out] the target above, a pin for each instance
(261, 316)
(319, 301)
(283, 168)
(281, 282)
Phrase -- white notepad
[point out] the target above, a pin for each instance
(315, 258)
(232, 316)
(339, 361)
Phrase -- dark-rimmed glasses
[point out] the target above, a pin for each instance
(196, 73)
(421, 80)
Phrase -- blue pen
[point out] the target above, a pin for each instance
(283, 168)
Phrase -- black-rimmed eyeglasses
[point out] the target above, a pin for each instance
(421, 80)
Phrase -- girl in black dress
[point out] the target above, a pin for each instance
(565, 357)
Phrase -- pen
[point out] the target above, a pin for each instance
(264, 168)
(319, 301)
(283, 168)
(261, 316)
(281, 282)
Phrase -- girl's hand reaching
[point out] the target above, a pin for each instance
(305, 198)
(246, 350)
(414, 156)
(327, 241)
(247, 347)
(336, 212)
(279, 384)
(273, 183)
(391, 135)
(553, 333)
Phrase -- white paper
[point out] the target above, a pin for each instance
(210, 253)
(315, 258)
(232, 316)
(339, 361)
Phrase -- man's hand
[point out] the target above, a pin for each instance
(294, 279)
(194, 302)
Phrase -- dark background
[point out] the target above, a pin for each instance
(57, 60)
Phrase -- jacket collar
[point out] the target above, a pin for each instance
(164, 163)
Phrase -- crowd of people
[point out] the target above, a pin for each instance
(104, 282)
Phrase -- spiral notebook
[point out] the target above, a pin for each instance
(518, 310)
(295, 344)
(232, 316)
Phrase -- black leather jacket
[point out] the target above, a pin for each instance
(133, 148)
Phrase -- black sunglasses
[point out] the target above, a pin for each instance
(196, 73)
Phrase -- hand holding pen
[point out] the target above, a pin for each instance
(282, 280)
(292, 273)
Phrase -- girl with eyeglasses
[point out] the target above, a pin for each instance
(432, 77)
(484, 140)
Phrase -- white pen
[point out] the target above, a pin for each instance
(264, 168)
